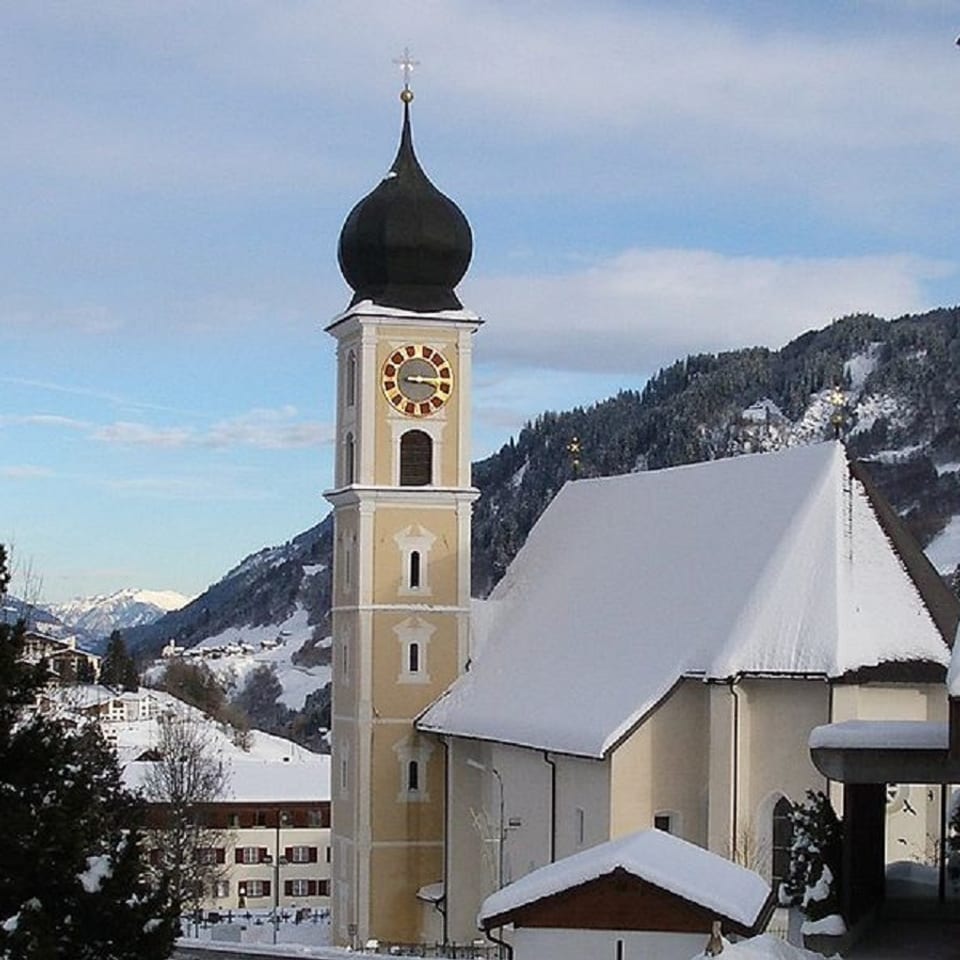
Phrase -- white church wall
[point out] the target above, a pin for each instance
(582, 804)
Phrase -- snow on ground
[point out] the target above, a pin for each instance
(764, 947)
(944, 550)
(233, 654)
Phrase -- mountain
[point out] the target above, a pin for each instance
(102, 614)
(899, 411)
(264, 590)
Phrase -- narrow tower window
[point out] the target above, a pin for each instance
(413, 776)
(416, 456)
(351, 379)
(348, 459)
(413, 658)
(414, 569)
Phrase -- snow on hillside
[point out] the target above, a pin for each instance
(130, 607)
(234, 653)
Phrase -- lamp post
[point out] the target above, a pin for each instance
(470, 762)
(278, 862)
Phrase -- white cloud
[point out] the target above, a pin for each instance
(25, 471)
(643, 308)
(263, 429)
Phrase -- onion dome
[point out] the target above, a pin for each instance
(405, 244)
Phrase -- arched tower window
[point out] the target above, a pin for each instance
(413, 776)
(414, 569)
(782, 841)
(351, 379)
(413, 658)
(416, 459)
(349, 459)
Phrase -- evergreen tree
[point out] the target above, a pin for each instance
(117, 668)
(813, 879)
(73, 883)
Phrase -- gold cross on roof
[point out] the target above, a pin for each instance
(406, 64)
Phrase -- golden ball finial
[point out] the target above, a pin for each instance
(406, 95)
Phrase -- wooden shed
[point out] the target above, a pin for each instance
(647, 894)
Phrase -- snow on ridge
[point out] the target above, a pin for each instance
(861, 365)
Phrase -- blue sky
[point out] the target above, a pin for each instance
(644, 180)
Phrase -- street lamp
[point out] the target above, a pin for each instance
(470, 762)
(278, 862)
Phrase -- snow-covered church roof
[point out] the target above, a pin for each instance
(768, 563)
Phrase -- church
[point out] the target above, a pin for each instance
(656, 655)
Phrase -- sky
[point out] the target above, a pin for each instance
(644, 180)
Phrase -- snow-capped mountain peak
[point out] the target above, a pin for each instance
(125, 608)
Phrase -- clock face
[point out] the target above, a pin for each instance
(416, 380)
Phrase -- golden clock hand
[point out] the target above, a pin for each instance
(417, 378)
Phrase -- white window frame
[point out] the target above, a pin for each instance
(410, 540)
(409, 632)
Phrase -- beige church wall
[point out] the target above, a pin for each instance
(440, 564)
(344, 662)
(400, 694)
(661, 768)
(776, 717)
(396, 874)
(396, 813)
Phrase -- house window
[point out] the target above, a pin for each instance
(619, 950)
(233, 820)
(413, 658)
(221, 889)
(413, 776)
(416, 459)
(261, 820)
(328, 855)
(323, 888)
(299, 888)
(258, 888)
(782, 840)
(314, 818)
(664, 822)
(302, 854)
(248, 854)
(579, 825)
(351, 379)
(209, 855)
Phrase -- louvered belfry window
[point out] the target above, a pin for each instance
(416, 459)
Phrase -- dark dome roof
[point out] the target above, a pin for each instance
(405, 244)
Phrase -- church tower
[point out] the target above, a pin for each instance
(402, 497)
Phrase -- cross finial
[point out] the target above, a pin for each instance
(406, 64)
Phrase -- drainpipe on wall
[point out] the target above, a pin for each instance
(447, 813)
(553, 805)
(735, 772)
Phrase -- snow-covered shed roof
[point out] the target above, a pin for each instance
(772, 563)
(666, 861)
